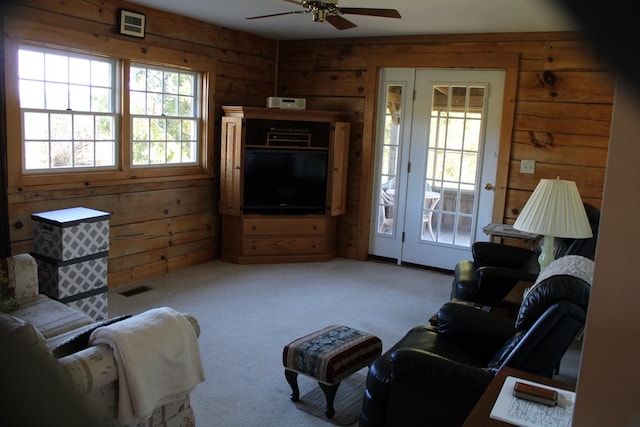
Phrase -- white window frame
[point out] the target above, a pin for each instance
(163, 141)
(66, 114)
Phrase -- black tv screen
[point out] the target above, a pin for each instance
(285, 181)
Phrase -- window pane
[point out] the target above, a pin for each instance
(37, 154)
(174, 152)
(140, 129)
(158, 129)
(38, 127)
(104, 128)
(137, 79)
(83, 128)
(171, 82)
(137, 102)
(56, 68)
(56, 96)
(154, 104)
(140, 153)
(186, 107)
(60, 126)
(79, 98)
(186, 85)
(82, 154)
(79, 71)
(61, 154)
(173, 130)
(154, 81)
(105, 153)
(102, 73)
(31, 94)
(157, 153)
(34, 61)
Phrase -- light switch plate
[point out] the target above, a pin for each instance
(527, 166)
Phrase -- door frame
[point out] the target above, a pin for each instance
(509, 62)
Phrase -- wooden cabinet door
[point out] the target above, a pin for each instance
(231, 166)
(339, 163)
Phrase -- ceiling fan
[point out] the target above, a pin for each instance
(329, 11)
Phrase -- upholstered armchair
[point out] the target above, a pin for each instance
(435, 375)
(61, 366)
(496, 268)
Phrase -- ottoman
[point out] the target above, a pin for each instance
(329, 356)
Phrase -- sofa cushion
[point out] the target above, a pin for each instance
(51, 317)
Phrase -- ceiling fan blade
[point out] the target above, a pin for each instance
(278, 14)
(299, 3)
(339, 22)
(385, 13)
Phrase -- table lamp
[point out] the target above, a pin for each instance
(555, 209)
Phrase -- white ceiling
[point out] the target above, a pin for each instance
(419, 17)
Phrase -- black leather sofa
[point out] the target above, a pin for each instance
(434, 376)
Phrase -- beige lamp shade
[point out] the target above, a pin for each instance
(555, 209)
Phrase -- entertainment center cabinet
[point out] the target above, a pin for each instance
(283, 179)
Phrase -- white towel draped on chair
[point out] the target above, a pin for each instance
(169, 366)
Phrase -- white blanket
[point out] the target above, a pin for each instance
(158, 360)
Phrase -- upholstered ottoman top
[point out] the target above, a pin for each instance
(331, 354)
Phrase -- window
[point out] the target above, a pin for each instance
(67, 103)
(164, 112)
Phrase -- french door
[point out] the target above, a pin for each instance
(437, 143)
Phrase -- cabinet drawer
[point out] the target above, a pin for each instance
(290, 246)
(283, 226)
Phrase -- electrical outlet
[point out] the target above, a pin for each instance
(527, 166)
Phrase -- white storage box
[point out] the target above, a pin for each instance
(80, 282)
(70, 233)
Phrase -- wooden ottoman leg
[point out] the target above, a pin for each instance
(330, 394)
(292, 379)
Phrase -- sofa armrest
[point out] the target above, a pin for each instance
(23, 275)
(490, 276)
(95, 366)
(490, 253)
(91, 368)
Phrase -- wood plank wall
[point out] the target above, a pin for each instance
(562, 114)
(156, 225)
(563, 111)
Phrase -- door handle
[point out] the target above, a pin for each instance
(488, 186)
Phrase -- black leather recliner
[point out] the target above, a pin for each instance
(496, 268)
(435, 375)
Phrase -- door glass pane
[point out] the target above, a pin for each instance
(387, 208)
(456, 126)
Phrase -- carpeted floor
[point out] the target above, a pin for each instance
(248, 313)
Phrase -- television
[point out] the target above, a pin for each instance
(285, 181)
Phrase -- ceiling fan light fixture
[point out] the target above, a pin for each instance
(319, 15)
